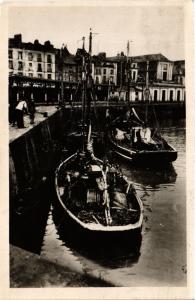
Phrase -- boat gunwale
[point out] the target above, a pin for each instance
(172, 150)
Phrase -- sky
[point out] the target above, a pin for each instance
(151, 29)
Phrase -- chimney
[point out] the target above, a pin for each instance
(18, 38)
(36, 42)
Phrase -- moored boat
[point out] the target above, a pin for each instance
(97, 200)
(139, 141)
(132, 147)
(99, 204)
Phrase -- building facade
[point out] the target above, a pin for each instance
(69, 66)
(120, 77)
(104, 71)
(166, 79)
(31, 59)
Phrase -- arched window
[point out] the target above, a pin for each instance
(171, 95)
(155, 95)
(163, 95)
(178, 95)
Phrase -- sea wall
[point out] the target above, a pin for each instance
(32, 155)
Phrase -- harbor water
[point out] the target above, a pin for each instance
(161, 260)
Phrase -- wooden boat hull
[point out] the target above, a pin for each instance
(144, 156)
(95, 234)
(98, 245)
(78, 235)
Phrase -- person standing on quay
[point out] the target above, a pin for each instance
(20, 108)
(12, 112)
(31, 111)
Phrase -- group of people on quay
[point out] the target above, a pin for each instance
(18, 109)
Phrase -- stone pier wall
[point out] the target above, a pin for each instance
(32, 155)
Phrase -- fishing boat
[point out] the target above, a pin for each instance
(98, 202)
(97, 198)
(136, 140)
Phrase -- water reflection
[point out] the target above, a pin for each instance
(152, 176)
(156, 257)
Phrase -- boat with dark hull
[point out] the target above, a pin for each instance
(140, 141)
(99, 204)
(155, 153)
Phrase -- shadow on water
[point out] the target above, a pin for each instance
(108, 253)
(28, 218)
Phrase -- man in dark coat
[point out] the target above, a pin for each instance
(31, 111)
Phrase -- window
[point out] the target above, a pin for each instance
(10, 64)
(104, 79)
(49, 58)
(133, 65)
(10, 73)
(171, 95)
(133, 75)
(163, 95)
(39, 68)
(39, 58)
(49, 68)
(30, 67)
(178, 95)
(165, 76)
(155, 95)
(111, 72)
(111, 79)
(10, 53)
(30, 74)
(30, 56)
(49, 76)
(20, 55)
(20, 65)
(136, 96)
(97, 80)
(104, 71)
(39, 75)
(98, 71)
(20, 73)
(165, 67)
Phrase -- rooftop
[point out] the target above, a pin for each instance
(16, 42)
(141, 58)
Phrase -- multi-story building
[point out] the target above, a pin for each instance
(165, 78)
(104, 71)
(69, 66)
(31, 59)
(116, 77)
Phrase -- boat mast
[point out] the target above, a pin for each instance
(62, 70)
(83, 93)
(147, 91)
(128, 72)
(89, 83)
